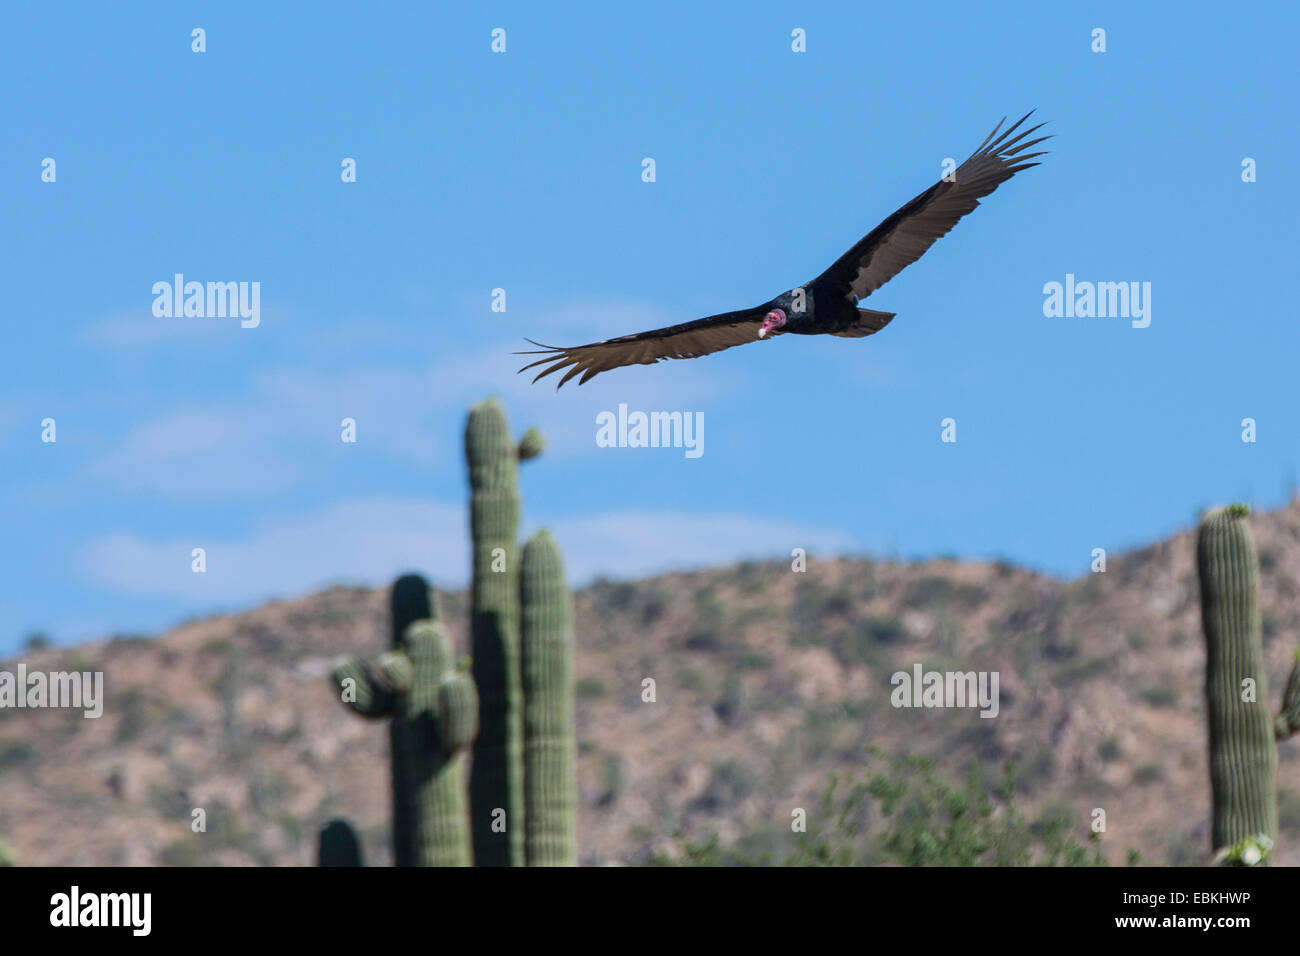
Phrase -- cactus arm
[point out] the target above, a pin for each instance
(395, 672)
(531, 445)
(359, 689)
(457, 713)
(1288, 721)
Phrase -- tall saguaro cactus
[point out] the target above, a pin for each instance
(496, 777)
(433, 713)
(550, 748)
(517, 710)
(1243, 735)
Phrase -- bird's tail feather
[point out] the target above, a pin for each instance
(869, 322)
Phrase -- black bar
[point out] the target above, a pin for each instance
(328, 905)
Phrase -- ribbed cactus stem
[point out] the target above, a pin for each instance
(496, 778)
(1243, 752)
(550, 748)
(433, 713)
(458, 712)
(428, 763)
(339, 845)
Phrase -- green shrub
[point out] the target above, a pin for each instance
(1038, 769)
(934, 590)
(267, 792)
(133, 707)
(170, 801)
(1082, 669)
(733, 706)
(187, 851)
(883, 630)
(37, 641)
(703, 637)
(1148, 773)
(752, 660)
(751, 578)
(121, 641)
(804, 613)
(654, 605)
(1288, 809)
(17, 753)
(909, 815)
(1159, 695)
(729, 783)
(611, 770)
(613, 596)
(688, 678)
(337, 616)
(839, 601)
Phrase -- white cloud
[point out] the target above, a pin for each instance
(138, 328)
(367, 540)
(202, 452)
(276, 433)
(370, 541)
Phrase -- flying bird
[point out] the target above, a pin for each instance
(828, 304)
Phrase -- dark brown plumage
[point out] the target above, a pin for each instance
(827, 304)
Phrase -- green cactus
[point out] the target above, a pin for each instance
(433, 713)
(338, 845)
(550, 750)
(8, 856)
(496, 778)
(1243, 751)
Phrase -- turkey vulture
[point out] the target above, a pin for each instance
(827, 304)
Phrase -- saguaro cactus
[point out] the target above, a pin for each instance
(550, 749)
(496, 777)
(1243, 735)
(338, 845)
(434, 714)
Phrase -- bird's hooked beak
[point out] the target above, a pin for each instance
(773, 320)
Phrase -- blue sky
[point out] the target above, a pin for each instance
(522, 171)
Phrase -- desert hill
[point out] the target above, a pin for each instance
(768, 682)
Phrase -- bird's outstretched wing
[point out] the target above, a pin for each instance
(906, 235)
(688, 340)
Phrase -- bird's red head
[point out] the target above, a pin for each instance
(772, 321)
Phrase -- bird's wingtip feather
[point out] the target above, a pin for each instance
(544, 348)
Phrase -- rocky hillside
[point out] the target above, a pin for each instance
(768, 682)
